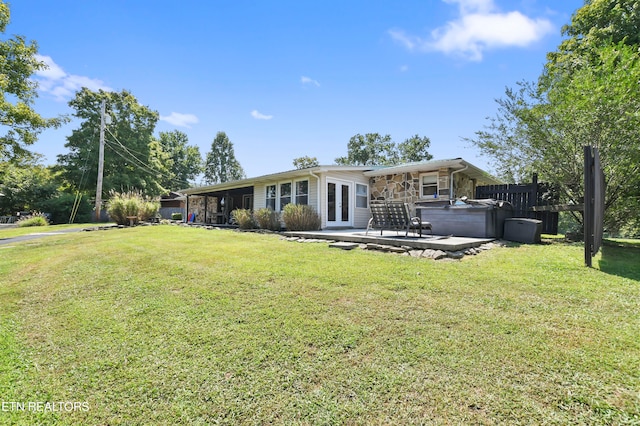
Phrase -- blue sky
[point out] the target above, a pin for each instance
(286, 78)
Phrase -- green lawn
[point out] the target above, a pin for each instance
(173, 325)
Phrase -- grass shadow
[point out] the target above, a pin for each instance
(621, 260)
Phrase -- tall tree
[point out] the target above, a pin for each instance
(132, 159)
(221, 164)
(185, 161)
(415, 148)
(20, 123)
(587, 95)
(371, 149)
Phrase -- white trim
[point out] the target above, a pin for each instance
(351, 200)
(437, 184)
(294, 190)
(367, 195)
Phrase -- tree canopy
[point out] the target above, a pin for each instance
(184, 161)
(373, 149)
(221, 164)
(21, 125)
(586, 95)
(305, 162)
(132, 158)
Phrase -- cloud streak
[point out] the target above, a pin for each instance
(307, 80)
(180, 120)
(61, 85)
(480, 27)
(259, 116)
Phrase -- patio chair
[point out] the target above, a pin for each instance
(394, 215)
(379, 216)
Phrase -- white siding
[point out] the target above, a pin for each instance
(360, 215)
(260, 192)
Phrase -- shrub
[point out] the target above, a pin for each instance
(300, 217)
(243, 218)
(148, 210)
(36, 220)
(61, 207)
(267, 219)
(132, 203)
(176, 216)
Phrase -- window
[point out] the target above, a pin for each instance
(362, 195)
(429, 185)
(285, 194)
(302, 192)
(271, 197)
(247, 202)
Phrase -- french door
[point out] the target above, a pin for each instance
(338, 206)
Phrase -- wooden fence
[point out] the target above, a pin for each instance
(523, 198)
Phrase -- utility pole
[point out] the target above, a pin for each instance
(100, 162)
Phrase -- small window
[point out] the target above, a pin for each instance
(362, 196)
(285, 194)
(302, 192)
(429, 186)
(271, 197)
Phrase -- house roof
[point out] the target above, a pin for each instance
(290, 174)
(427, 166)
(369, 171)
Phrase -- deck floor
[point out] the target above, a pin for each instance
(393, 238)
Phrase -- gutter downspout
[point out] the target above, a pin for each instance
(452, 195)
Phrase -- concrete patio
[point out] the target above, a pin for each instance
(393, 238)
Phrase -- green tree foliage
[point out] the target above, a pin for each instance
(132, 158)
(414, 149)
(33, 187)
(20, 123)
(597, 24)
(587, 95)
(26, 188)
(305, 162)
(372, 149)
(221, 164)
(184, 162)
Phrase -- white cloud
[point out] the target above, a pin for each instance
(480, 27)
(259, 116)
(180, 120)
(55, 81)
(307, 80)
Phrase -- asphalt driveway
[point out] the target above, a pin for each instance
(37, 235)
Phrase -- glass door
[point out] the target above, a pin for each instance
(339, 203)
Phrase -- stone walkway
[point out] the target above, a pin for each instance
(431, 247)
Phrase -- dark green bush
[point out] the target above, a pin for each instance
(60, 208)
(300, 217)
(244, 218)
(267, 219)
(176, 216)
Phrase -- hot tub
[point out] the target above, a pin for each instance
(475, 218)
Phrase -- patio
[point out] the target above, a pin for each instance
(393, 238)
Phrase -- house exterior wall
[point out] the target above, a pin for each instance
(197, 205)
(260, 192)
(360, 216)
(407, 186)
